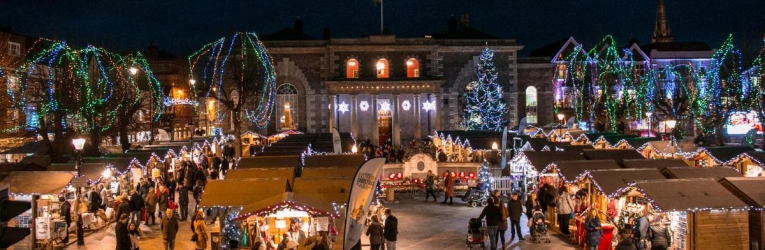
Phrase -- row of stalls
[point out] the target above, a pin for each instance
(268, 196)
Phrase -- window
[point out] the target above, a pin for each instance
(286, 98)
(531, 105)
(382, 68)
(14, 49)
(352, 69)
(412, 68)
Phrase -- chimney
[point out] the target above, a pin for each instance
(298, 25)
(152, 51)
(452, 24)
(464, 21)
(326, 34)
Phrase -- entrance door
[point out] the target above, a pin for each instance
(385, 130)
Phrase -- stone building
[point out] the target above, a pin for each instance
(383, 87)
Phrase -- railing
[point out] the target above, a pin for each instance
(504, 184)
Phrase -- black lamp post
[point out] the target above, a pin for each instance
(78, 146)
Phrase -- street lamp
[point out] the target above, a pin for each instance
(560, 117)
(671, 124)
(133, 70)
(494, 146)
(79, 143)
(648, 114)
(354, 149)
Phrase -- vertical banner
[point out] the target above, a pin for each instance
(504, 148)
(336, 141)
(362, 192)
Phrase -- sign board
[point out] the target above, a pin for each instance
(322, 224)
(79, 182)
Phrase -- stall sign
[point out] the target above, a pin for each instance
(322, 224)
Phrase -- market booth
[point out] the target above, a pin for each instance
(751, 163)
(44, 218)
(529, 164)
(701, 213)
(716, 156)
(750, 190)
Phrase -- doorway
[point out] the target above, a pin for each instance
(385, 130)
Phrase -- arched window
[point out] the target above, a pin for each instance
(286, 105)
(412, 68)
(382, 68)
(352, 69)
(531, 105)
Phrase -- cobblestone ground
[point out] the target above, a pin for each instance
(432, 225)
(422, 225)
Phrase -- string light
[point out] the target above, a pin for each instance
(485, 107)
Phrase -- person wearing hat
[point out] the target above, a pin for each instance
(121, 232)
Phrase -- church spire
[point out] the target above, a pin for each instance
(661, 33)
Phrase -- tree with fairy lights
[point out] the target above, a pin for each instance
(236, 72)
(678, 88)
(485, 108)
(139, 94)
(484, 174)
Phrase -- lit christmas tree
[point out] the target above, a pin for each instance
(484, 174)
(485, 108)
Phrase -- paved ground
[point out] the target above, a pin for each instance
(422, 225)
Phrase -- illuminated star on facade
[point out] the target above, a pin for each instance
(364, 105)
(343, 107)
(406, 105)
(384, 106)
(429, 105)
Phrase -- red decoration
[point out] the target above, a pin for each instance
(399, 176)
(454, 174)
(462, 174)
(391, 176)
(444, 174)
(471, 175)
(417, 180)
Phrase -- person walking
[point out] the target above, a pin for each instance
(66, 213)
(162, 198)
(375, 233)
(594, 231)
(502, 227)
(391, 230)
(123, 206)
(515, 209)
(493, 215)
(565, 207)
(136, 206)
(659, 234)
(448, 188)
(201, 230)
(121, 233)
(151, 206)
(641, 230)
(169, 228)
(135, 236)
(183, 202)
(430, 185)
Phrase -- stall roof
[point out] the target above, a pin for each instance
(344, 160)
(609, 181)
(240, 192)
(689, 194)
(689, 173)
(570, 170)
(724, 154)
(747, 188)
(335, 190)
(286, 173)
(329, 172)
(317, 207)
(577, 148)
(758, 157)
(38, 182)
(92, 171)
(280, 161)
(659, 164)
(541, 159)
(613, 154)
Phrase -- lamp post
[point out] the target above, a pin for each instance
(78, 145)
(560, 117)
(354, 149)
(671, 124)
(494, 149)
(648, 114)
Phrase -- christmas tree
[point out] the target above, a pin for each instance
(485, 108)
(484, 174)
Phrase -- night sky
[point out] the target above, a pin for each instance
(184, 26)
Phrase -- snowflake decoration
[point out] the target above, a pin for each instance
(406, 105)
(429, 105)
(343, 107)
(364, 105)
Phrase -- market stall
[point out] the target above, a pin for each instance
(715, 156)
(701, 213)
(750, 191)
(44, 219)
(526, 165)
(751, 163)
(650, 163)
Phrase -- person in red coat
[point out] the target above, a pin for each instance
(448, 187)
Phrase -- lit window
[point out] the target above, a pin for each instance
(382, 68)
(352, 69)
(14, 49)
(412, 68)
(531, 105)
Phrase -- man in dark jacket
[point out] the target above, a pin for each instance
(136, 205)
(493, 214)
(390, 232)
(123, 207)
(515, 209)
(66, 212)
(121, 232)
(641, 234)
(183, 202)
(169, 228)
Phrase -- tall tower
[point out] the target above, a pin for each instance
(661, 33)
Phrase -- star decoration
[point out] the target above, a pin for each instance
(343, 107)
(429, 105)
(384, 106)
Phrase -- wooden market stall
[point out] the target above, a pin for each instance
(689, 173)
(751, 163)
(701, 213)
(252, 139)
(750, 190)
(276, 161)
(716, 156)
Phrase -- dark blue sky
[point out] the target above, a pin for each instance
(184, 26)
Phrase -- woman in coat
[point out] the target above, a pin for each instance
(201, 230)
(375, 233)
(659, 234)
(151, 206)
(162, 196)
(502, 227)
(565, 206)
(531, 203)
(594, 230)
(449, 188)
